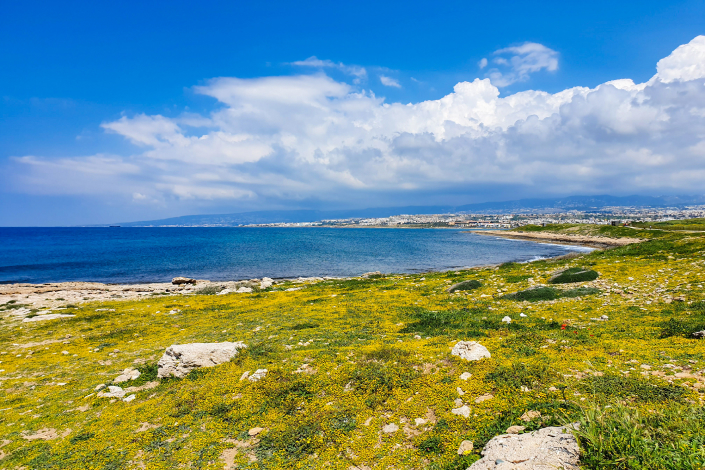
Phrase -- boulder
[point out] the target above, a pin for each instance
(470, 350)
(127, 374)
(699, 334)
(461, 411)
(464, 286)
(546, 449)
(266, 283)
(112, 392)
(180, 359)
(182, 280)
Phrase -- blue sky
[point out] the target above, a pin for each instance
(102, 104)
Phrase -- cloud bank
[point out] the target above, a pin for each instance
(310, 137)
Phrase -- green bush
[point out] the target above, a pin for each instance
(571, 275)
(534, 294)
(465, 286)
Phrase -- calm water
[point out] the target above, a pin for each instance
(132, 255)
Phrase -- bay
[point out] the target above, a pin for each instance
(157, 254)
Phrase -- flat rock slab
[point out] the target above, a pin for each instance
(180, 359)
(546, 449)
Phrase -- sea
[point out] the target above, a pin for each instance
(123, 255)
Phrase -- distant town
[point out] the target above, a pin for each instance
(605, 216)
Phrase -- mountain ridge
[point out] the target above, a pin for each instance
(579, 203)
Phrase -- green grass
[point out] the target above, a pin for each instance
(623, 438)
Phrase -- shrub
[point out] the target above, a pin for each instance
(465, 286)
(431, 445)
(571, 275)
(534, 294)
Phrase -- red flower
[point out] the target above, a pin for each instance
(563, 327)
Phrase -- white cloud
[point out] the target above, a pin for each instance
(310, 137)
(482, 63)
(389, 81)
(687, 62)
(315, 62)
(518, 62)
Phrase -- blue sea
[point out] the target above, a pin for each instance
(138, 255)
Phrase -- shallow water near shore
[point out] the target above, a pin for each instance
(157, 254)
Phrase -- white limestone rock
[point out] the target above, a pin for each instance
(390, 428)
(112, 392)
(180, 359)
(127, 374)
(259, 374)
(470, 350)
(462, 411)
(182, 280)
(546, 449)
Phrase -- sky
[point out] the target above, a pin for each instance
(124, 111)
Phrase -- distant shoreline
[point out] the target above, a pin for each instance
(559, 238)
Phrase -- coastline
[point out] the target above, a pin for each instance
(559, 238)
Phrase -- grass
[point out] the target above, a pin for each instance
(347, 357)
(620, 437)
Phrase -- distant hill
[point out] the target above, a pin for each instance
(580, 203)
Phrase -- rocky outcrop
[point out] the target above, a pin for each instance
(470, 350)
(177, 281)
(546, 449)
(180, 359)
(699, 334)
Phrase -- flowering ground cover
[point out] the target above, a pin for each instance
(360, 375)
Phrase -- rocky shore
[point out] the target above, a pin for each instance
(54, 297)
(583, 240)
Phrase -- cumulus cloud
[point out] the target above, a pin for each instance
(310, 137)
(389, 81)
(516, 64)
